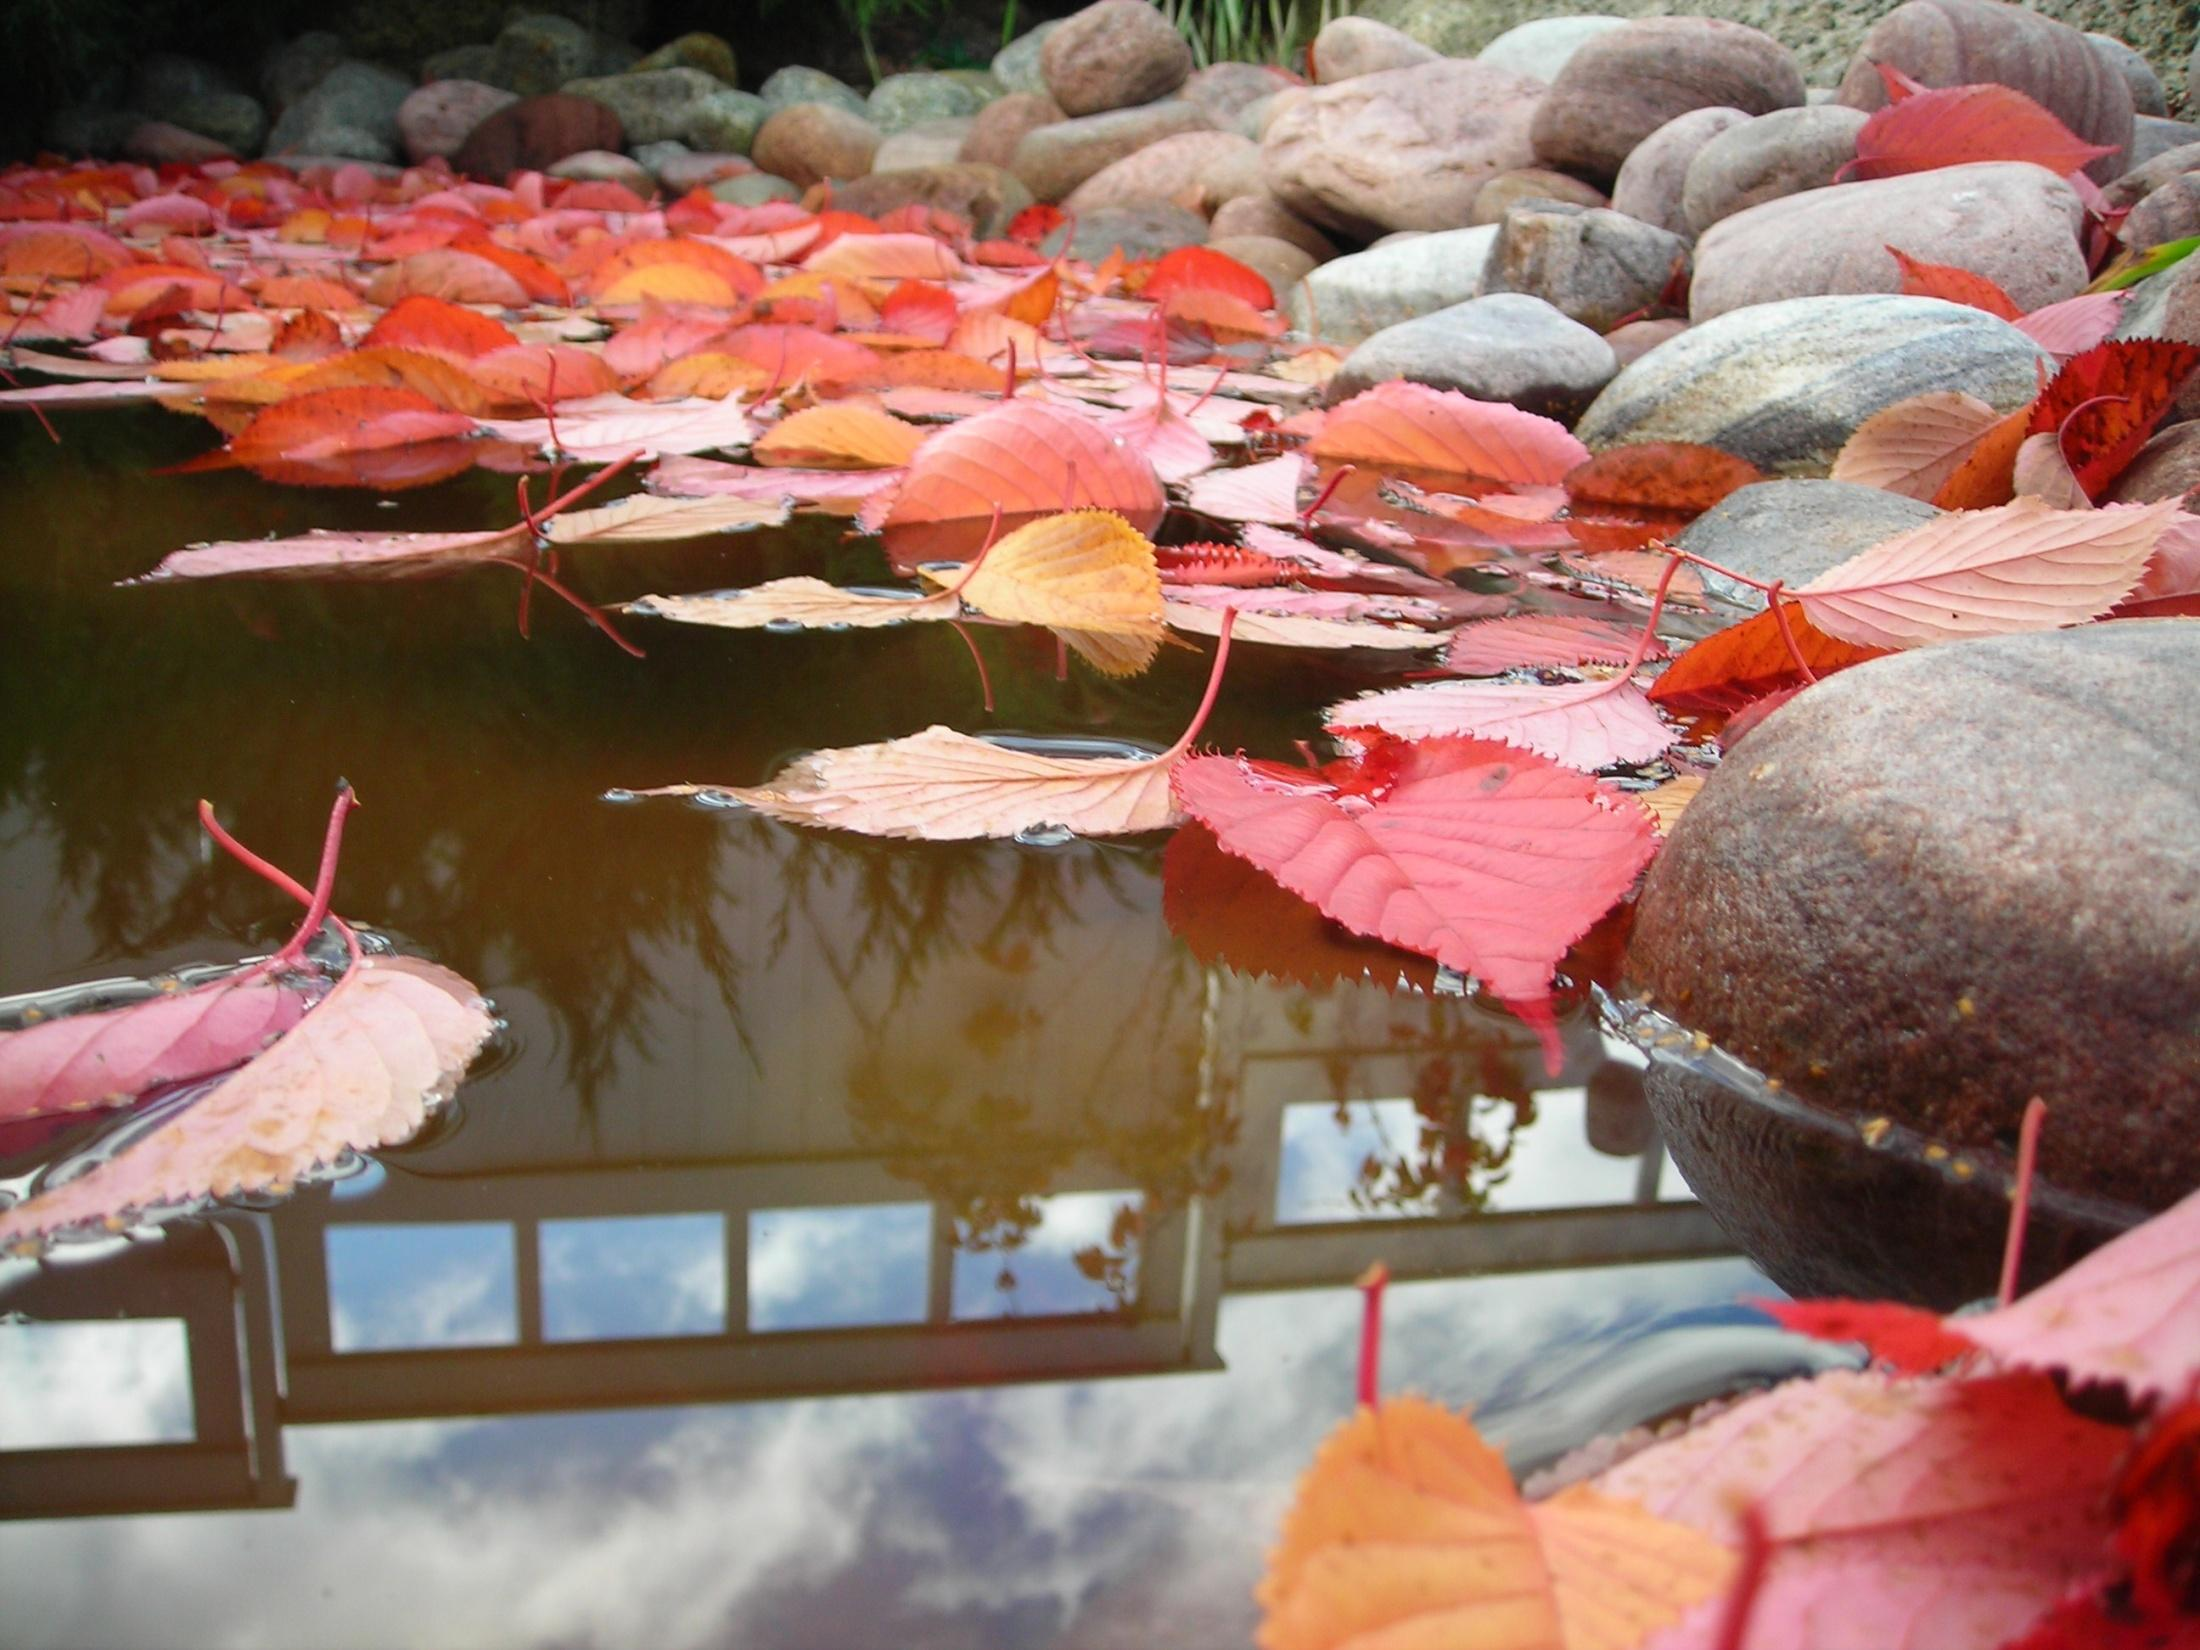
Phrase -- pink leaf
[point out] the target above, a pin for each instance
(1022, 459)
(360, 1070)
(1410, 425)
(1491, 861)
(1542, 640)
(1904, 1515)
(106, 1059)
(2128, 1314)
(713, 478)
(1267, 492)
(2076, 324)
(601, 428)
(1587, 725)
(323, 550)
(1955, 125)
(2023, 566)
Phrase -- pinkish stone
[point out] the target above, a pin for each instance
(1200, 170)
(1623, 85)
(439, 117)
(1115, 54)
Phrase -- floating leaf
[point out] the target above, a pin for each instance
(1586, 725)
(1260, 623)
(1022, 459)
(1914, 446)
(1086, 570)
(1542, 640)
(800, 604)
(1407, 1532)
(337, 423)
(359, 1070)
(1989, 573)
(1267, 492)
(646, 520)
(438, 326)
(1409, 425)
(610, 427)
(840, 437)
(321, 551)
(1627, 496)
(1491, 860)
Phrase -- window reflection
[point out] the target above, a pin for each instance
(1081, 1256)
(628, 1278)
(397, 1287)
(837, 1268)
(72, 1384)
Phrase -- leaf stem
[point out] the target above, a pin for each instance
(1371, 1284)
(1749, 1579)
(2020, 1203)
(1773, 599)
(1214, 688)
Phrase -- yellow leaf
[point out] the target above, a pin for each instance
(1407, 1531)
(841, 437)
(1088, 571)
(670, 283)
(643, 519)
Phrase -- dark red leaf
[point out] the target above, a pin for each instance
(2106, 403)
(1628, 496)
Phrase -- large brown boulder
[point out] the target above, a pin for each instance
(1930, 888)
(807, 143)
(1055, 159)
(1112, 55)
(1961, 42)
(536, 133)
(1625, 83)
(1402, 149)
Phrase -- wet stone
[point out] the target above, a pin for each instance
(1505, 347)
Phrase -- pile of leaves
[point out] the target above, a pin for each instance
(2026, 1478)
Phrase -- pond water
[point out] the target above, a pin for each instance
(846, 1244)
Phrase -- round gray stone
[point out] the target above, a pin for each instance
(901, 101)
(1016, 65)
(1793, 531)
(1784, 385)
(1506, 347)
(1592, 265)
(1350, 299)
(799, 84)
(1783, 153)
(1539, 49)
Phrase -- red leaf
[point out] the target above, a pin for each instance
(434, 324)
(1955, 125)
(2106, 402)
(1197, 269)
(1907, 1338)
(1035, 223)
(1224, 564)
(335, 423)
(1726, 670)
(1487, 859)
(1025, 459)
(1625, 497)
(1959, 286)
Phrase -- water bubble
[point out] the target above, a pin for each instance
(785, 627)
(718, 801)
(1451, 983)
(1045, 836)
(619, 793)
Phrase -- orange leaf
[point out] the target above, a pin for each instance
(885, 257)
(1025, 459)
(1627, 496)
(426, 323)
(842, 437)
(444, 383)
(459, 277)
(1199, 269)
(1959, 286)
(1407, 1531)
(306, 292)
(1726, 670)
(332, 422)
(656, 269)
(712, 374)
(1410, 425)
(932, 369)
(1985, 478)
(310, 335)
(920, 310)
(1228, 317)
(1914, 446)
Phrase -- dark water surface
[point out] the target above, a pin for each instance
(781, 1278)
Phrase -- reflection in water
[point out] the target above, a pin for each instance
(770, 1285)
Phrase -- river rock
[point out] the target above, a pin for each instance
(606, 166)
(653, 105)
(1263, 215)
(1349, 46)
(1403, 149)
(1960, 42)
(2145, 86)
(1227, 90)
(807, 143)
(1506, 347)
(235, 120)
(1054, 160)
(2167, 467)
(1794, 531)
(1539, 49)
(475, 62)
(1147, 230)
(725, 123)
(1196, 169)
(1783, 153)
(2169, 213)
(1624, 84)
(1279, 263)
(932, 143)
(161, 143)
(986, 196)
(437, 119)
(538, 52)
(708, 52)
(534, 134)
(796, 84)
(1003, 123)
(88, 129)
(2015, 223)
(1653, 181)
(295, 67)
(352, 113)
(2153, 137)
(1115, 54)
(1593, 266)
(901, 101)
(754, 189)
(1928, 889)
(1016, 65)
(1510, 189)
(1351, 299)
(1632, 340)
(2149, 175)
(681, 169)
(1785, 384)
(161, 81)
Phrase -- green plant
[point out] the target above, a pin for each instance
(1250, 31)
